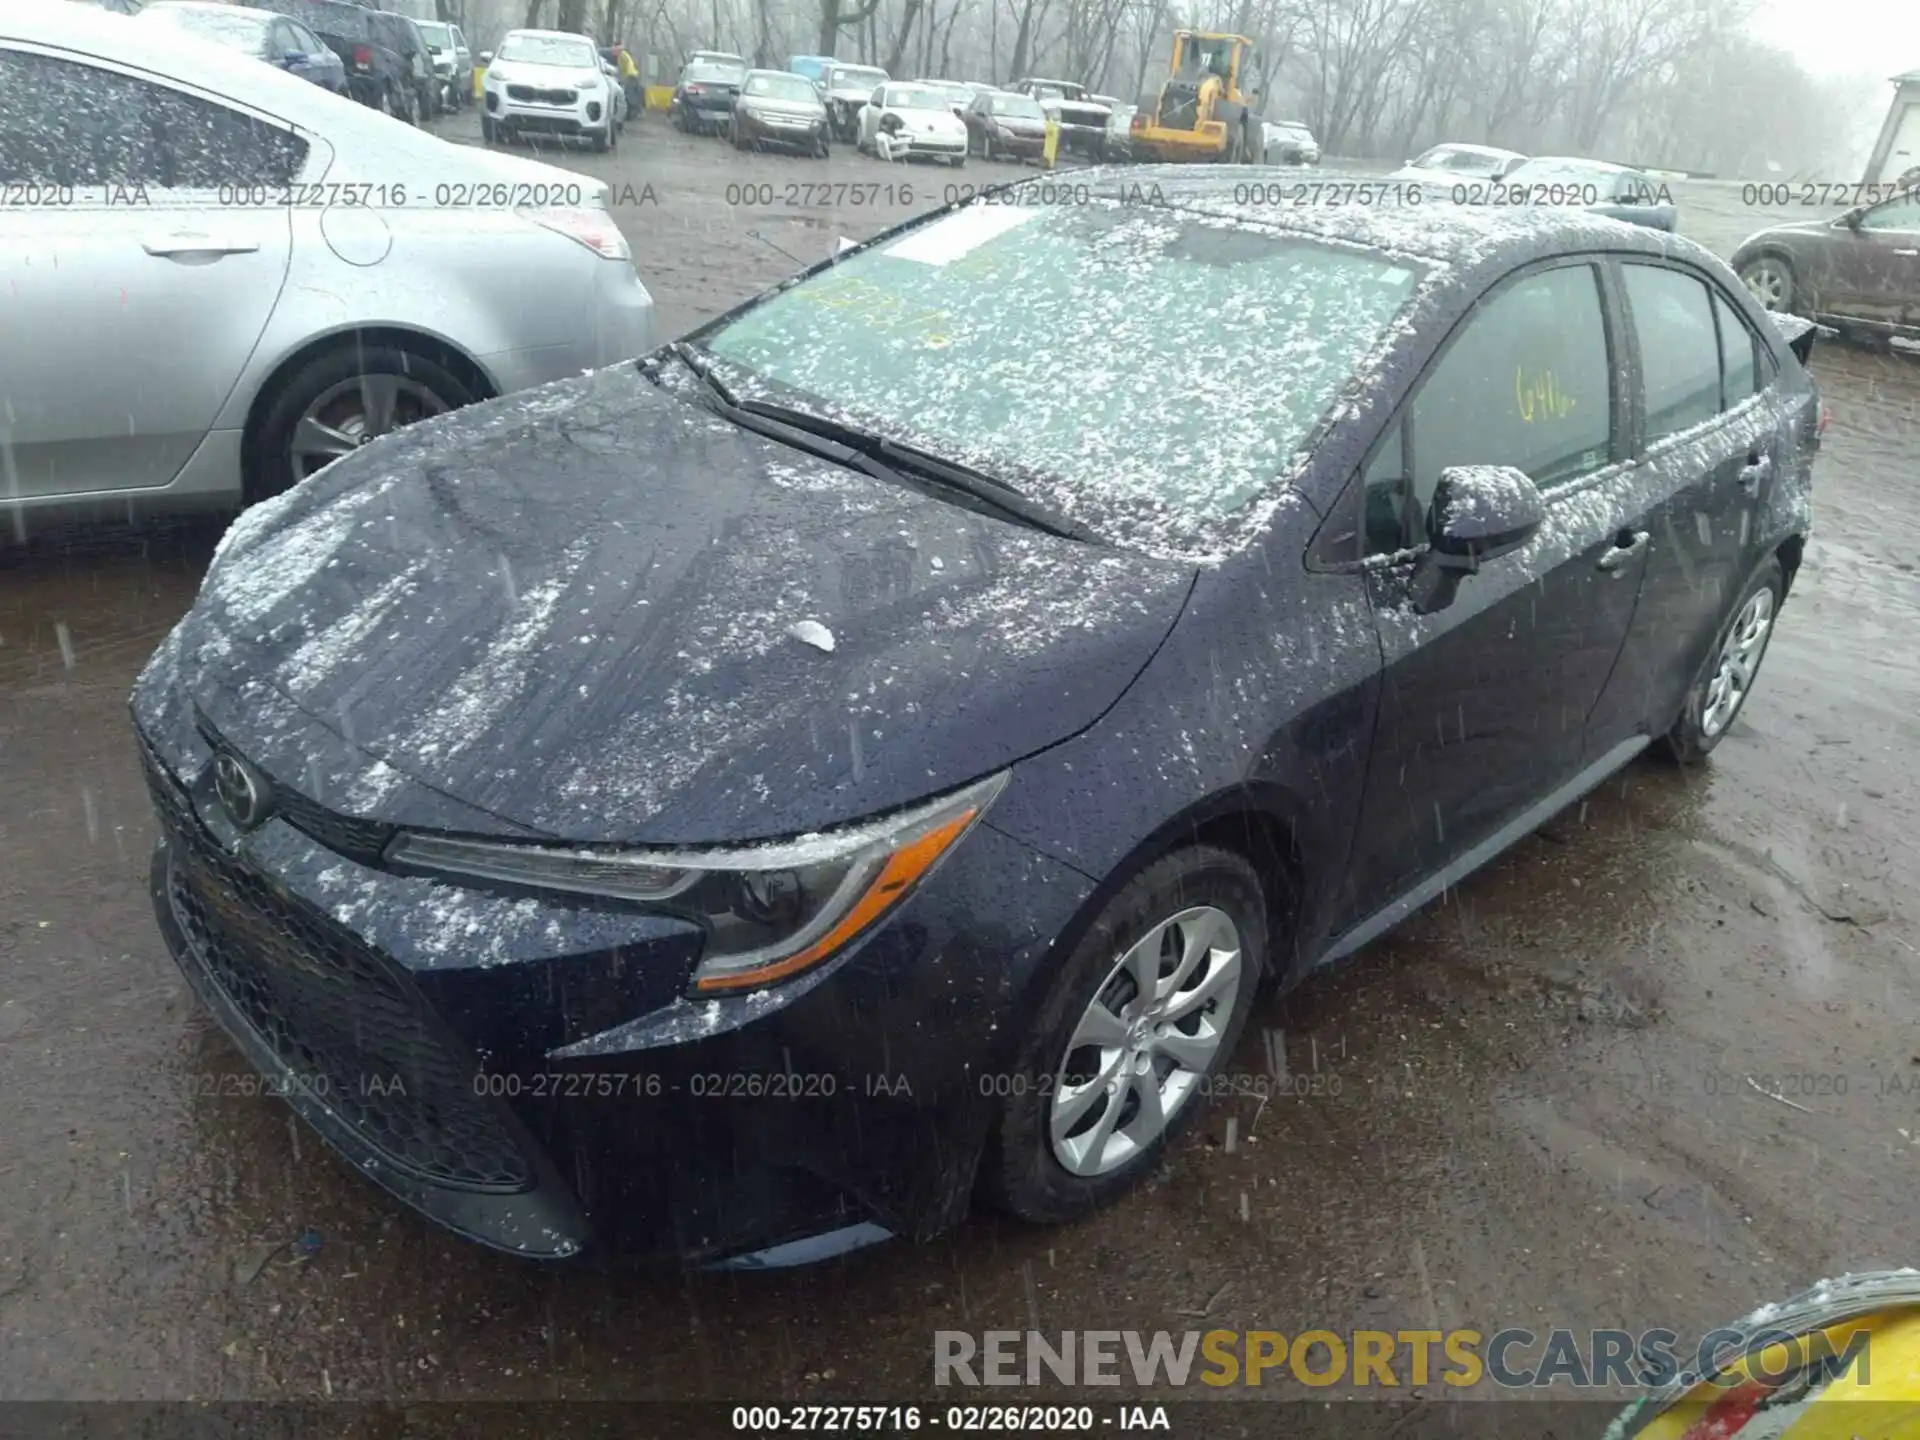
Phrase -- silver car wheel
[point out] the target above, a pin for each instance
(1739, 657)
(356, 412)
(1145, 1041)
(1767, 282)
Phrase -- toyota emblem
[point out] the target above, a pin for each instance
(241, 788)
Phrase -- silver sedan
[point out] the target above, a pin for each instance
(215, 278)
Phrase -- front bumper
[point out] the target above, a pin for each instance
(530, 1074)
(904, 143)
(589, 114)
(781, 130)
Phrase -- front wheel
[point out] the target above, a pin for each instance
(1142, 1014)
(1769, 279)
(1723, 686)
(489, 132)
(959, 162)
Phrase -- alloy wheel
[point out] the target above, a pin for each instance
(1766, 281)
(356, 412)
(1146, 1040)
(1739, 657)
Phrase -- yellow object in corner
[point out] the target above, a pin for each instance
(1051, 150)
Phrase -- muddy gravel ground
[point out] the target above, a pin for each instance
(1538, 1102)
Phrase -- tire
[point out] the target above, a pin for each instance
(733, 136)
(1741, 644)
(603, 139)
(821, 149)
(489, 132)
(959, 162)
(1770, 280)
(1022, 1170)
(269, 464)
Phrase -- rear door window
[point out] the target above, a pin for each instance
(116, 130)
(1679, 348)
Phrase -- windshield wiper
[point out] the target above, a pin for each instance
(950, 474)
(871, 453)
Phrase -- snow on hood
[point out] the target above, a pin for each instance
(590, 610)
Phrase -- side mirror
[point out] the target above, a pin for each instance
(486, 57)
(1479, 513)
(1853, 217)
(292, 58)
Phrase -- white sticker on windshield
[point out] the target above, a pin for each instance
(945, 241)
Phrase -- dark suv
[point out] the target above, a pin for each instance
(377, 73)
(400, 35)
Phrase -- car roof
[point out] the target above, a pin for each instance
(1475, 242)
(544, 35)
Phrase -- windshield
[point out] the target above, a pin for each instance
(548, 50)
(439, 36)
(1018, 107)
(915, 97)
(1035, 342)
(706, 72)
(1448, 158)
(236, 29)
(780, 87)
(855, 78)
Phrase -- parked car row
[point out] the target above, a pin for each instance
(1485, 175)
(326, 273)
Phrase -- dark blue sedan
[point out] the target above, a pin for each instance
(867, 755)
(276, 39)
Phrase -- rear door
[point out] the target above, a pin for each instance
(131, 299)
(1483, 704)
(1709, 440)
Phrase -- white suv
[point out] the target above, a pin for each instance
(548, 82)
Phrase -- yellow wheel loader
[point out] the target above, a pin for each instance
(1209, 108)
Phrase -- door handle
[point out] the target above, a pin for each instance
(1627, 547)
(185, 244)
(1757, 469)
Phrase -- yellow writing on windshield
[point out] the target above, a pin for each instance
(879, 308)
(1539, 396)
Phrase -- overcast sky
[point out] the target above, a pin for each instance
(1842, 37)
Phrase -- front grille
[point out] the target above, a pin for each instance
(534, 95)
(343, 1025)
(362, 840)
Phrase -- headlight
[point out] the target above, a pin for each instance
(770, 911)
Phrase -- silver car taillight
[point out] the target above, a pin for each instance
(593, 228)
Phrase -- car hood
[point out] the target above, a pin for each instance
(596, 610)
(926, 122)
(546, 77)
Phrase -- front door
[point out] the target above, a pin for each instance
(136, 292)
(1876, 266)
(1483, 704)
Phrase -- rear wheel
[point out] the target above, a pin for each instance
(1723, 686)
(1146, 1008)
(339, 400)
